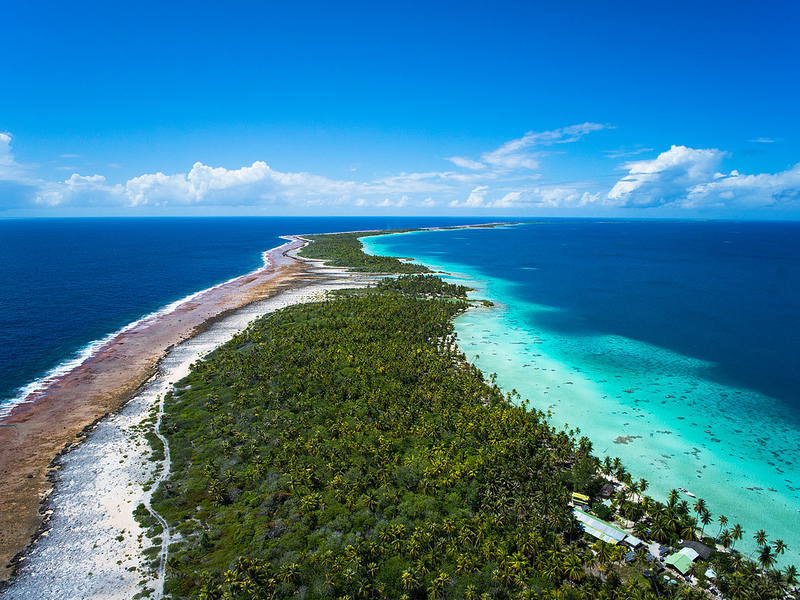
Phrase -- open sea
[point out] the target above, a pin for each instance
(673, 345)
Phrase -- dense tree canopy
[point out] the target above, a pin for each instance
(347, 449)
(347, 445)
(345, 250)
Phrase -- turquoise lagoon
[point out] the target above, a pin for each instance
(671, 418)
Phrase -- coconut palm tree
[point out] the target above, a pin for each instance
(726, 538)
(705, 519)
(766, 558)
(780, 547)
(640, 530)
(723, 520)
(700, 506)
(641, 559)
(633, 488)
(736, 533)
(573, 568)
(659, 531)
(603, 552)
(689, 528)
(760, 537)
(672, 500)
(790, 575)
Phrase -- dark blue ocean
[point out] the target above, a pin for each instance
(673, 345)
(65, 283)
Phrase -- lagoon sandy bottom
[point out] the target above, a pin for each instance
(653, 408)
(94, 548)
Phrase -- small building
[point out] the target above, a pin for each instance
(632, 541)
(580, 499)
(699, 547)
(682, 561)
(599, 528)
(606, 491)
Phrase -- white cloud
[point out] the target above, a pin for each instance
(686, 178)
(666, 178)
(510, 200)
(157, 189)
(516, 154)
(739, 190)
(475, 199)
(763, 140)
(559, 197)
(466, 163)
(80, 188)
(258, 185)
(624, 153)
(9, 169)
(681, 177)
(216, 186)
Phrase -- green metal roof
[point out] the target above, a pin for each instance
(682, 561)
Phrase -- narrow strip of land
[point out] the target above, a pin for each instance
(38, 430)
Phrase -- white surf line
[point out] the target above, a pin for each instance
(36, 388)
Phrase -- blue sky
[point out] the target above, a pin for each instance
(502, 109)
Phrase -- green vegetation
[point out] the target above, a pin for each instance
(345, 250)
(346, 445)
(347, 449)
(423, 285)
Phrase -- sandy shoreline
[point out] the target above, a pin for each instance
(37, 431)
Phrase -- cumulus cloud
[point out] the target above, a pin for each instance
(560, 197)
(256, 184)
(687, 178)
(157, 189)
(666, 178)
(510, 200)
(681, 177)
(475, 199)
(91, 189)
(9, 169)
(735, 189)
